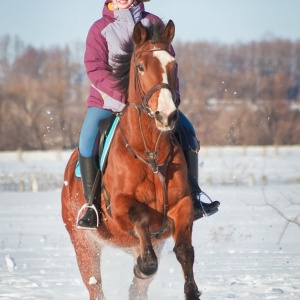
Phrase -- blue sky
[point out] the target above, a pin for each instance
(44, 23)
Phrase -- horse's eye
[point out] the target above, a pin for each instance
(140, 68)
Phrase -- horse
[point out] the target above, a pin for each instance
(145, 175)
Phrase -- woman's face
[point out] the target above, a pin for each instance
(122, 4)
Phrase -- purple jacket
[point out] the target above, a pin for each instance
(104, 40)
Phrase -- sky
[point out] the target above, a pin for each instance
(46, 23)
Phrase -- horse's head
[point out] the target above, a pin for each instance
(155, 73)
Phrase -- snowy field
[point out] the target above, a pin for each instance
(249, 250)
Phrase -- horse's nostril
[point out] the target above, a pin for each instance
(173, 116)
(159, 116)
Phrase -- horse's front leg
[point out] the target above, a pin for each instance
(183, 249)
(137, 218)
(147, 262)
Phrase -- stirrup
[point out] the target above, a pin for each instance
(78, 215)
(202, 193)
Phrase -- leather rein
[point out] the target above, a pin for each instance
(151, 156)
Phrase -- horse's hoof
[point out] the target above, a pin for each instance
(191, 291)
(193, 296)
(143, 270)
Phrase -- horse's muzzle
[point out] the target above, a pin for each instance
(165, 122)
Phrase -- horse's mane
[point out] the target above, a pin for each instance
(122, 61)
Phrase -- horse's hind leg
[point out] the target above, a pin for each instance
(88, 253)
(139, 287)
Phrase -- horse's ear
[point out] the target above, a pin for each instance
(139, 34)
(169, 32)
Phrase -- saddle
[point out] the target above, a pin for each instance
(107, 128)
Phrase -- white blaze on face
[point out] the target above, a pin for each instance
(165, 101)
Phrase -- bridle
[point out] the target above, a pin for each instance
(145, 96)
(151, 156)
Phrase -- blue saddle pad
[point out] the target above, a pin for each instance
(106, 147)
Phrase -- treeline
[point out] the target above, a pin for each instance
(242, 94)
(42, 96)
(247, 94)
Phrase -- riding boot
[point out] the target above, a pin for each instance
(89, 171)
(200, 208)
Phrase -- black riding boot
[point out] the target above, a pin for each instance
(88, 171)
(200, 208)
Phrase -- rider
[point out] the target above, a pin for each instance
(104, 40)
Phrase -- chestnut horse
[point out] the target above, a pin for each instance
(145, 177)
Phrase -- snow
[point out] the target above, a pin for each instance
(10, 262)
(250, 249)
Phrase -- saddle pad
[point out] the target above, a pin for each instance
(106, 147)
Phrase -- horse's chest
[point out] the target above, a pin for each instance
(149, 191)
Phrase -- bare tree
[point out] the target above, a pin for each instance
(241, 94)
